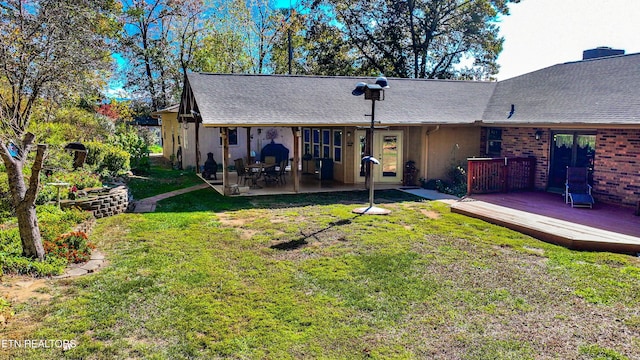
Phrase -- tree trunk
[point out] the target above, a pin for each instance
(29, 231)
(23, 198)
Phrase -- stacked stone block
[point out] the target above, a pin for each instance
(114, 202)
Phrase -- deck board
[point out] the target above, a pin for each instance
(557, 231)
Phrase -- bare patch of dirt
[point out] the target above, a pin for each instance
(227, 220)
(430, 214)
(21, 289)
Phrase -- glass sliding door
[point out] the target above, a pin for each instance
(574, 149)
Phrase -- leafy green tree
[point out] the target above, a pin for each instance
(316, 47)
(48, 49)
(159, 41)
(420, 38)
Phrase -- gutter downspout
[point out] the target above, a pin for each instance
(427, 145)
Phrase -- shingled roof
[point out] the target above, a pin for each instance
(284, 100)
(597, 91)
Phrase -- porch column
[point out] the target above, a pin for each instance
(197, 124)
(225, 160)
(296, 158)
(248, 145)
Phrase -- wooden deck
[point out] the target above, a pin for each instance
(545, 216)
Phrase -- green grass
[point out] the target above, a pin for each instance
(293, 277)
(161, 180)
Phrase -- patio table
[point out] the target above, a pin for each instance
(256, 171)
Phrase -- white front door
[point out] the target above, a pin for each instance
(387, 148)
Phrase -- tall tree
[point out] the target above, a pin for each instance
(255, 25)
(317, 47)
(421, 38)
(46, 47)
(159, 41)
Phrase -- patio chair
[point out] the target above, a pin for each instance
(269, 160)
(241, 170)
(577, 188)
(275, 174)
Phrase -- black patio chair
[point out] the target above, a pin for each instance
(241, 170)
(577, 188)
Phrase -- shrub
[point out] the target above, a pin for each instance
(5, 198)
(12, 261)
(54, 221)
(73, 246)
(132, 141)
(108, 159)
(16, 264)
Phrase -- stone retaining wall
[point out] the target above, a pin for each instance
(114, 202)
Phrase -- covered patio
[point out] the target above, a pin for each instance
(545, 216)
(307, 184)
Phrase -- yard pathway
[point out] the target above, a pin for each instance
(149, 204)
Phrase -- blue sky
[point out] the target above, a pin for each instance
(541, 33)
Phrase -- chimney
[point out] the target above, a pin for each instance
(600, 51)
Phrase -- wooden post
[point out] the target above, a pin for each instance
(296, 158)
(197, 124)
(224, 132)
(470, 172)
(248, 145)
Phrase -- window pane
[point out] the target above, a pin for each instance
(495, 134)
(337, 154)
(390, 156)
(337, 138)
(316, 151)
(326, 137)
(326, 151)
(316, 136)
(233, 137)
(307, 135)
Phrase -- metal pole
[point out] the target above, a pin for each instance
(369, 163)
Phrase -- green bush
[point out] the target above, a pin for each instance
(20, 265)
(6, 210)
(12, 261)
(54, 221)
(132, 141)
(108, 159)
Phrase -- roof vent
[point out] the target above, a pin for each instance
(600, 51)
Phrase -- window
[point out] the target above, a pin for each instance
(306, 140)
(322, 143)
(233, 136)
(326, 143)
(316, 143)
(337, 146)
(494, 142)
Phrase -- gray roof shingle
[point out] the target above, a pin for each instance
(317, 100)
(597, 91)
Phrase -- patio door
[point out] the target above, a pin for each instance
(387, 148)
(575, 149)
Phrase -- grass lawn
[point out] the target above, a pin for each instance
(161, 180)
(295, 277)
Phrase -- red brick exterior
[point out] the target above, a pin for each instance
(616, 175)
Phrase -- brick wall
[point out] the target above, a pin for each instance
(521, 142)
(616, 175)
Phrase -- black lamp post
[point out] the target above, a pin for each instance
(373, 92)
